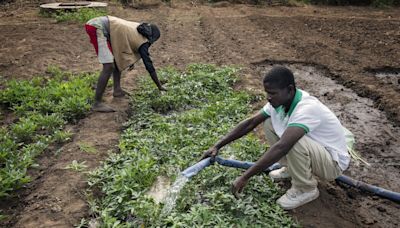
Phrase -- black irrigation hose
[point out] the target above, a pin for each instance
(193, 170)
(394, 196)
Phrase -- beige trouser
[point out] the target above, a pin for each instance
(306, 159)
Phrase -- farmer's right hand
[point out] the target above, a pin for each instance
(162, 88)
(212, 152)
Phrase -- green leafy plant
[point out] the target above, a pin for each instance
(166, 134)
(42, 107)
(76, 166)
(24, 130)
(61, 136)
(82, 224)
(87, 148)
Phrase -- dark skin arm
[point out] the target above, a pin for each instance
(144, 53)
(274, 154)
(154, 77)
(239, 131)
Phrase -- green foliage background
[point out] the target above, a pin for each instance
(167, 134)
(42, 106)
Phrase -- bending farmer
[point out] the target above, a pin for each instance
(119, 44)
(305, 136)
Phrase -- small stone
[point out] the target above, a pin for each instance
(56, 208)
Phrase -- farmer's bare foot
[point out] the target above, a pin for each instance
(100, 107)
(120, 93)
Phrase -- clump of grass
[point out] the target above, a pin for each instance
(81, 15)
(167, 134)
(87, 148)
(42, 107)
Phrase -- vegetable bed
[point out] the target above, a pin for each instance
(168, 133)
(39, 109)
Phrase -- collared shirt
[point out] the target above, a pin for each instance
(318, 122)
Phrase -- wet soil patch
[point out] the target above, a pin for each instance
(388, 75)
(377, 141)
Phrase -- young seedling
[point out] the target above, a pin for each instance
(87, 148)
(76, 166)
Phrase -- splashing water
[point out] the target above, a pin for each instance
(173, 193)
(159, 189)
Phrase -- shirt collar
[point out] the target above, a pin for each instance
(296, 100)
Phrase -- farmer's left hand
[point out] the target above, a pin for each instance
(238, 185)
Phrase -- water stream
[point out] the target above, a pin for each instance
(173, 193)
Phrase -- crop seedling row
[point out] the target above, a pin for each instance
(166, 134)
(42, 106)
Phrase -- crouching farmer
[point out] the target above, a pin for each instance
(119, 44)
(305, 136)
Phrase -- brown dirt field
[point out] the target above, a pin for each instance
(344, 46)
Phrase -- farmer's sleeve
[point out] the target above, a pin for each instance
(144, 53)
(266, 110)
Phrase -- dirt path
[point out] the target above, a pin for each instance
(347, 45)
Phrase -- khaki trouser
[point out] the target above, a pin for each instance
(306, 159)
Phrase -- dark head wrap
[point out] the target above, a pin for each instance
(150, 31)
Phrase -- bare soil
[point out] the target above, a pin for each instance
(336, 53)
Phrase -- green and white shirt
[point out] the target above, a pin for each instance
(318, 122)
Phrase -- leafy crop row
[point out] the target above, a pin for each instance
(42, 106)
(167, 134)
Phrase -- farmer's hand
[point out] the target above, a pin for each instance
(162, 88)
(238, 185)
(212, 152)
(163, 81)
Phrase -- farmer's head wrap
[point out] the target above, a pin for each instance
(150, 31)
